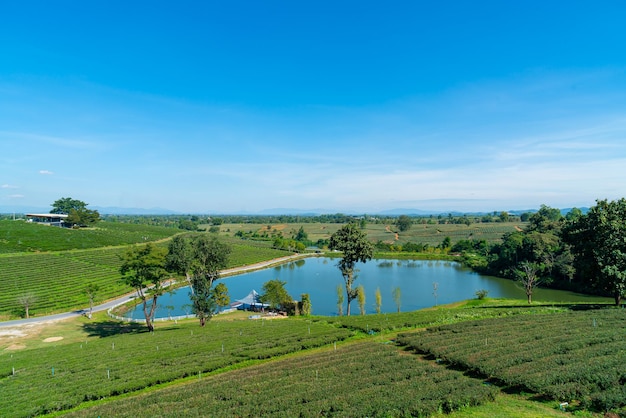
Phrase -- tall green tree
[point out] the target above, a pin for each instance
(404, 223)
(540, 244)
(301, 235)
(143, 269)
(305, 299)
(76, 211)
(209, 257)
(220, 295)
(180, 256)
(598, 241)
(83, 217)
(275, 294)
(65, 205)
(355, 247)
(200, 258)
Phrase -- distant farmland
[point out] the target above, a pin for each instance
(431, 234)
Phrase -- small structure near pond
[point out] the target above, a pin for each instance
(251, 302)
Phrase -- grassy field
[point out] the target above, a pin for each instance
(293, 367)
(432, 235)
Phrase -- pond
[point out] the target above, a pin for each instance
(319, 277)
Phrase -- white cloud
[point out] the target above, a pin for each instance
(46, 172)
(9, 186)
(16, 196)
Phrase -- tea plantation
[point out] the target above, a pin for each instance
(423, 363)
(573, 356)
(314, 367)
(43, 262)
(367, 379)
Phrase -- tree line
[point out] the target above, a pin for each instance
(579, 252)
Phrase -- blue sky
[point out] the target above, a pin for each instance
(230, 107)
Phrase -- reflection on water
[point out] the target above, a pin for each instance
(320, 276)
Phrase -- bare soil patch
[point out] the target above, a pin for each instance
(16, 347)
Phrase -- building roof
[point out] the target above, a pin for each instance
(46, 215)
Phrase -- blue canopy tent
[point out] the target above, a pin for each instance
(251, 301)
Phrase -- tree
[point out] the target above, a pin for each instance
(540, 243)
(220, 295)
(397, 297)
(180, 256)
(545, 220)
(83, 217)
(76, 211)
(360, 295)
(528, 274)
(91, 291)
(65, 205)
(301, 235)
(379, 299)
(275, 294)
(26, 301)
(574, 214)
(143, 269)
(339, 300)
(203, 305)
(353, 243)
(305, 299)
(200, 258)
(209, 256)
(188, 225)
(598, 241)
(404, 223)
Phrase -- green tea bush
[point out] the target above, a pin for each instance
(65, 375)
(362, 379)
(573, 356)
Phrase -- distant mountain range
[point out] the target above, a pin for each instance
(113, 210)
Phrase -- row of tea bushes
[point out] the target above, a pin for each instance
(361, 379)
(576, 355)
(35, 382)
